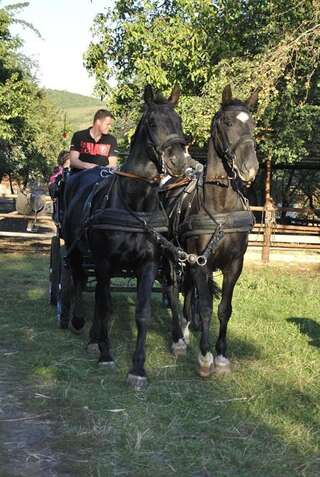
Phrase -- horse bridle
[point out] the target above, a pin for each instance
(159, 149)
(225, 150)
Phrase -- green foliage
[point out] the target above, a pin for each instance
(30, 127)
(203, 45)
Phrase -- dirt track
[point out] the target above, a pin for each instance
(22, 245)
(26, 437)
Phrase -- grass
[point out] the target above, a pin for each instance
(260, 421)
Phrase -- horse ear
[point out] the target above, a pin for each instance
(253, 99)
(175, 95)
(227, 94)
(148, 95)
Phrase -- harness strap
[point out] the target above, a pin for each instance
(153, 181)
(231, 222)
(218, 180)
(180, 183)
(179, 254)
(122, 219)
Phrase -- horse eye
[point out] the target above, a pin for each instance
(228, 123)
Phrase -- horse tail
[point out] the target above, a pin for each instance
(214, 288)
(191, 300)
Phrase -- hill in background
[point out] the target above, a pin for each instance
(79, 109)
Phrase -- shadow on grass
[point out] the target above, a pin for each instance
(308, 327)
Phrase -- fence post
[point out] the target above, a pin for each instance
(269, 214)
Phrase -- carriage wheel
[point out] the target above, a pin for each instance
(54, 270)
(64, 292)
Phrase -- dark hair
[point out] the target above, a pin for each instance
(102, 114)
(63, 157)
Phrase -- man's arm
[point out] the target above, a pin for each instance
(113, 161)
(75, 162)
(113, 158)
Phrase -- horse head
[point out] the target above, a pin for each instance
(163, 131)
(232, 133)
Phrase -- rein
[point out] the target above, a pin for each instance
(182, 182)
(180, 255)
(153, 181)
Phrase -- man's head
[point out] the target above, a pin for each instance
(102, 121)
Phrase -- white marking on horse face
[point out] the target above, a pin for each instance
(243, 117)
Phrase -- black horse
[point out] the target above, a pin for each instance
(117, 217)
(214, 225)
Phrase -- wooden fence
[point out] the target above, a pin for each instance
(266, 234)
(269, 234)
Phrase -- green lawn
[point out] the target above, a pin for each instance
(263, 420)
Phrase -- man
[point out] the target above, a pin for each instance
(94, 146)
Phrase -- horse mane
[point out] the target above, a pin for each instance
(135, 134)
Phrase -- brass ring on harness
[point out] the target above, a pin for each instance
(192, 258)
(183, 256)
(105, 173)
(201, 260)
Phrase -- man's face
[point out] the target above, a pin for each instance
(104, 125)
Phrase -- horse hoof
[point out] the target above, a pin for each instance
(93, 348)
(206, 372)
(107, 364)
(206, 365)
(75, 329)
(179, 348)
(138, 383)
(222, 365)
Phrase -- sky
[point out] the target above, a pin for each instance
(65, 29)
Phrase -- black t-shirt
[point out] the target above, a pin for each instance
(92, 151)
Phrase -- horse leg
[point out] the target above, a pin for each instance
(179, 347)
(77, 322)
(230, 277)
(137, 375)
(205, 359)
(99, 332)
(65, 294)
(188, 307)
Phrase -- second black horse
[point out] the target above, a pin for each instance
(213, 224)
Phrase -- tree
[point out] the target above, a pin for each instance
(273, 45)
(30, 127)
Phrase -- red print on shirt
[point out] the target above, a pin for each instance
(94, 149)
